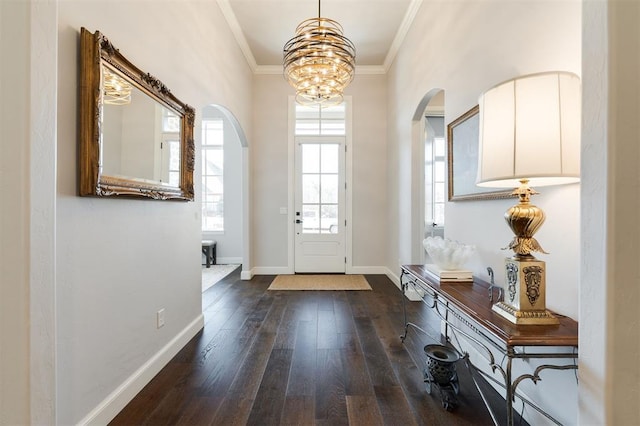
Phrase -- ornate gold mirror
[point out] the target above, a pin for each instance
(136, 137)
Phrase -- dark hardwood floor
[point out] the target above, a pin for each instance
(303, 358)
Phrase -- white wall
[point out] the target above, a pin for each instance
(493, 41)
(369, 190)
(270, 174)
(121, 260)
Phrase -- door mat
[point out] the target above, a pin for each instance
(319, 282)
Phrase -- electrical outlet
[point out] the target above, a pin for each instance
(160, 318)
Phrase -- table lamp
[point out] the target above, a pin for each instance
(529, 135)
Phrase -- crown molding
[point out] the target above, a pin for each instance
(238, 34)
(412, 10)
(268, 69)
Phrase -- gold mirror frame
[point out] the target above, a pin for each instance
(95, 51)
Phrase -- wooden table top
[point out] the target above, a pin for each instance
(473, 299)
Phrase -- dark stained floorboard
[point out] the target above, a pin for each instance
(304, 358)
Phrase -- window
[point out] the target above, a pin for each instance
(212, 175)
(316, 121)
(435, 172)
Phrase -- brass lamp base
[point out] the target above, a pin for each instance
(525, 317)
(525, 293)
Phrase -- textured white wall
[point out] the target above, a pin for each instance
(27, 216)
(119, 261)
(14, 223)
(623, 267)
(595, 304)
(492, 42)
(609, 336)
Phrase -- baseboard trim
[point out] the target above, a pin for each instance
(119, 398)
(229, 260)
(271, 270)
(246, 275)
(363, 270)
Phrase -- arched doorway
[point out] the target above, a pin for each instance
(224, 185)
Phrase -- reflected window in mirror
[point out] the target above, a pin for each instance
(170, 148)
(212, 174)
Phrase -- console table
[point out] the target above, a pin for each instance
(465, 308)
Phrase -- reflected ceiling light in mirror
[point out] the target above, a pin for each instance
(116, 90)
(319, 61)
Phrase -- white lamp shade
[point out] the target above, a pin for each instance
(530, 129)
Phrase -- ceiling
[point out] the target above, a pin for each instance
(376, 27)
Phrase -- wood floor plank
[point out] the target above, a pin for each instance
(330, 400)
(343, 313)
(327, 330)
(356, 375)
(199, 411)
(363, 410)
(269, 401)
(232, 412)
(247, 381)
(393, 406)
(236, 406)
(378, 364)
(298, 411)
(273, 319)
(302, 375)
(225, 361)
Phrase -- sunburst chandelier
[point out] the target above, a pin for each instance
(319, 62)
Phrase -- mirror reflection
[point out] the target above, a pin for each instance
(140, 136)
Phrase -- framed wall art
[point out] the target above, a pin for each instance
(462, 153)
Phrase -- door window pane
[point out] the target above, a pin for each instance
(311, 158)
(310, 188)
(329, 219)
(310, 219)
(330, 158)
(329, 189)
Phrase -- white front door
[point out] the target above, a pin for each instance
(320, 204)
